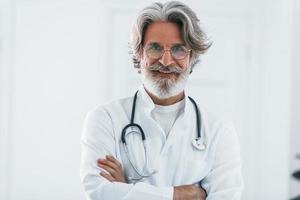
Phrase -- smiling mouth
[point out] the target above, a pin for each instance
(163, 72)
(163, 75)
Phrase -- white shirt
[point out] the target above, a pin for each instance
(177, 162)
(166, 116)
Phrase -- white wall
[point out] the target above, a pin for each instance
(58, 60)
(295, 125)
(51, 75)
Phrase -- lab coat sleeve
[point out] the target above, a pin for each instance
(96, 142)
(225, 182)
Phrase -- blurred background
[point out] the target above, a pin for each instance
(60, 58)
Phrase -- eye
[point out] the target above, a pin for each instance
(154, 50)
(178, 47)
(155, 46)
(179, 51)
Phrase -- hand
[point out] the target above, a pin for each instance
(113, 167)
(189, 192)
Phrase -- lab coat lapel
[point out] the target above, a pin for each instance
(143, 112)
(155, 136)
(183, 126)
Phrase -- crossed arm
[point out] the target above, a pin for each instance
(114, 173)
(223, 182)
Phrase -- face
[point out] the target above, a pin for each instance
(164, 60)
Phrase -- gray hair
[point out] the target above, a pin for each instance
(172, 11)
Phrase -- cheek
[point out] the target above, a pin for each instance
(147, 62)
(184, 63)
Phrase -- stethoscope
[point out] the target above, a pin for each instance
(197, 143)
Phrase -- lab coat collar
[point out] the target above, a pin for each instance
(184, 124)
(146, 100)
(149, 105)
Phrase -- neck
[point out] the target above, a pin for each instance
(167, 101)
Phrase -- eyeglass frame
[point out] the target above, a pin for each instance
(164, 50)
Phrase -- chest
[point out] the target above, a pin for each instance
(173, 158)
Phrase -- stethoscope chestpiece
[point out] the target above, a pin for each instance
(199, 144)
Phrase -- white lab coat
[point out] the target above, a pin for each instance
(177, 162)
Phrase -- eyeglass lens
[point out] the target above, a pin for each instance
(156, 51)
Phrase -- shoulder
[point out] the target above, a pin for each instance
(212, 121)
(216, 121)
(104, 113)
(101, 119)
(216, 126)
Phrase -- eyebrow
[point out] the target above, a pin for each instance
(173, 44)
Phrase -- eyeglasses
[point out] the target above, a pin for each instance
(155, 51)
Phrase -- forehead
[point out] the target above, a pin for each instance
(167, 33)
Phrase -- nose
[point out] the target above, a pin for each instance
(166, 58)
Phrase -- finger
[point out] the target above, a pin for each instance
(109, 169)
(108, 163)
(202, 192)
(114, 160)
(107, 176)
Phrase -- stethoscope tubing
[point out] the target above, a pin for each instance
(132, 124)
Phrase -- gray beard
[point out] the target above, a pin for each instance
(164, 88)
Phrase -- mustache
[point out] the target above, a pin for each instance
(166, 69)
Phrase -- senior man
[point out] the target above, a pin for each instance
(158, 144)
